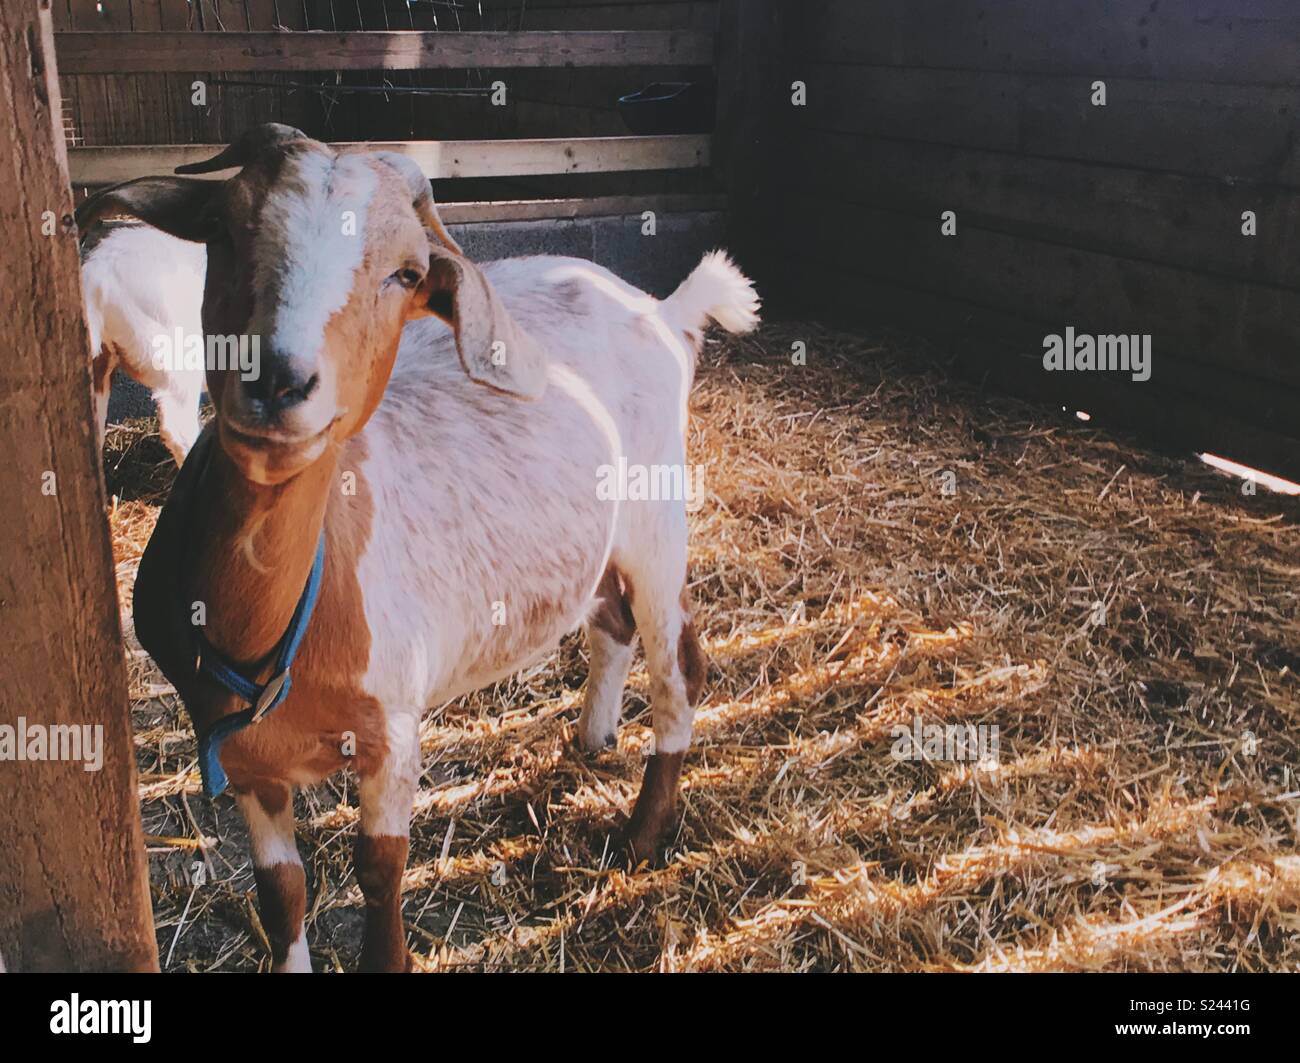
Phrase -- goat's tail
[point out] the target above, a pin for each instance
(715, 290)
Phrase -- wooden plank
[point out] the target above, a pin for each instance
(1245, 328)
(439, 158)
(615, 8)
(129, 53)
(583, 103)
(585, 207)
(1221, 41)
(1189, 222)
(157, 100)
(1248, 133)
(94, 114)
(74, 890)
(69, 86)
(262, 106)
(187, 120)
(611, 14)
(122, 99)
(238, 102)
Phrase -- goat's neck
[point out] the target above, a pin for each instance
(253, 549)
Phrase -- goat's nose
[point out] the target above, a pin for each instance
(283, 383)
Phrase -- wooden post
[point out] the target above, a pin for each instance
(74, 892)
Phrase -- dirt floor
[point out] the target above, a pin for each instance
(881, 548)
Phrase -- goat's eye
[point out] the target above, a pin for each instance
(407, 278)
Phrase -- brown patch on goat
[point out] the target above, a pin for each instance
(101, 369)
(691, 658)
(282, 905)
(613, 615)
(656, 806)
(250, 592)
(379, 862)
(273, 797)
(304, 737)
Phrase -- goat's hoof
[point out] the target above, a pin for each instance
(639, 853)
(655, 813)
(642, 843)
(594, 746)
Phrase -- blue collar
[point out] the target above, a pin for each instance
(261, 698)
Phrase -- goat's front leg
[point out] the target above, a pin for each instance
(387, 794)
(178, 413)
(277, 869)
(101, 377)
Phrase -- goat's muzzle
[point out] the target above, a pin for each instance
(284, 383)
(279, 421)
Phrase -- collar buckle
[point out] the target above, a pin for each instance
(267, 698)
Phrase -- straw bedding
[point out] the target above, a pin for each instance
(880, 546)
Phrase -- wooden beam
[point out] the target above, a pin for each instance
(1240, 327)
(1247, 42)
(74, 891)
(586, 207)
(439, 159)
(1193, 223)
(277, 52)
(1245, 132)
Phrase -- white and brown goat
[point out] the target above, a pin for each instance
(455, 481)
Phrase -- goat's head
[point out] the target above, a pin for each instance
(322, 257)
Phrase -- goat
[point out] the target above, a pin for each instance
(452, 483)
(141, 284)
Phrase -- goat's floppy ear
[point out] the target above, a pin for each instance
(176, 205)
(493, 349)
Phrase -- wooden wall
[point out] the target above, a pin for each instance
(342, 106)
(156, 109)
(584, 102)
(1123, 218)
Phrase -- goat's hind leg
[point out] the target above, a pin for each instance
(611, 638)
(277, 869)
(676, 665)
